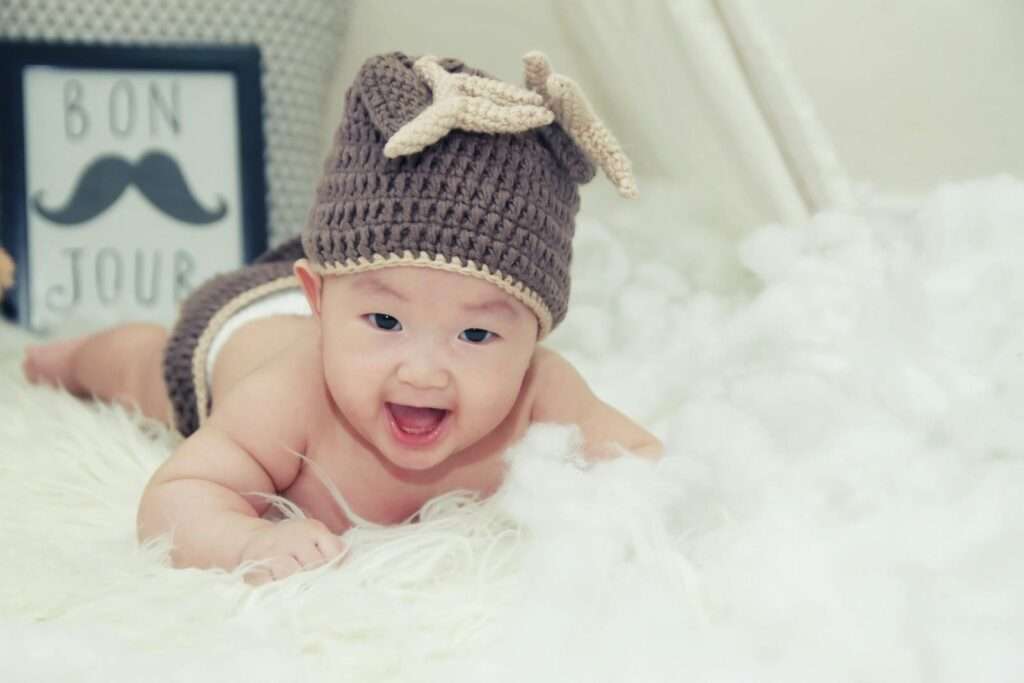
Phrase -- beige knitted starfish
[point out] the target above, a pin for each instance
(468, 103)
(485, 105)
(573, 112)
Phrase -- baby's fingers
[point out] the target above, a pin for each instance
(307, 554)
(290, 547)
(330, 545)
(314, 545)
(272, 569)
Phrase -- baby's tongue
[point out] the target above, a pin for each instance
(416, 420)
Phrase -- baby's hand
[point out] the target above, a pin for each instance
(288, 547)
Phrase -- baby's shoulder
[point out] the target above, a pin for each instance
(549, 365)
(544, 357)
(555, 385)
(278, 396)
(295, 375)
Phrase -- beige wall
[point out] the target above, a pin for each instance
(913, 91)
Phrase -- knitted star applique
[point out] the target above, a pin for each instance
(466, 102)
(573, 112)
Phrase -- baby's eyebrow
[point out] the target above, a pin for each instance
(501, 307)
(496, 306)
(373, 285)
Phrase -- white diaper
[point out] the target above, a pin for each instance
(288, 302)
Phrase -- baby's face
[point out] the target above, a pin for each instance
(423, 363)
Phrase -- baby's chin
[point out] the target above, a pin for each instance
(422, 464)
(417, 461)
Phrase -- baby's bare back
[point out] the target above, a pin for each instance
(282, 351)
(257, 344)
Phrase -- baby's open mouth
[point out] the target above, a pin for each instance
(416, 424)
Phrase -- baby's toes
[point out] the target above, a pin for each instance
(51, 363)
(30, 365)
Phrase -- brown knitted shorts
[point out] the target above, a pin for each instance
(203, 314)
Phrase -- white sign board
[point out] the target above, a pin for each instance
(133, 190)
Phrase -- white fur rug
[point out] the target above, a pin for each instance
(841, 500)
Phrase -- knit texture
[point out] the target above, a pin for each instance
(495, 205)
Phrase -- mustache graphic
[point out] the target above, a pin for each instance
(156, 175)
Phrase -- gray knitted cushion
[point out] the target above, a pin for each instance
(299, 42)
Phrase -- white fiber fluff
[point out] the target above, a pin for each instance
(840, 499)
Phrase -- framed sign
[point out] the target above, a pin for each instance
(129, 174)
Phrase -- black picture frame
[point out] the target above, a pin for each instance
(243, 62)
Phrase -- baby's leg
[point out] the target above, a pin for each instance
(122, 364)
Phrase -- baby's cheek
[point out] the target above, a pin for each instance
(496, 400)
(352, 383)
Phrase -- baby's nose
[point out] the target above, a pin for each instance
(423, 375)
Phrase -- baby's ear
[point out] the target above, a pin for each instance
(312, 284)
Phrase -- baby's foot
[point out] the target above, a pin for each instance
(52, 363)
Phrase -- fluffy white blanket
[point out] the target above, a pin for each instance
(841, 500)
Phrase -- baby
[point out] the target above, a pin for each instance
(395, 346)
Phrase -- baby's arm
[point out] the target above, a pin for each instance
(563, 396)
(203, 493)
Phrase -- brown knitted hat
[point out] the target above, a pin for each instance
(437, 165)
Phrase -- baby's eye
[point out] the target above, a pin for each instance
(383, 321)
(476, 335)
